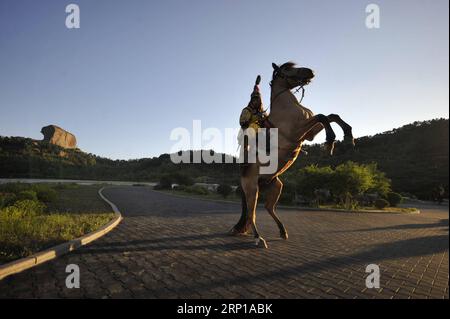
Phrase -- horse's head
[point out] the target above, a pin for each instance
(292, 75)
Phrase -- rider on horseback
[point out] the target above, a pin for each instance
(253, 116)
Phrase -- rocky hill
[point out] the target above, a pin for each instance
(55, 135)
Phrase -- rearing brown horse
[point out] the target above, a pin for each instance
(295, 124)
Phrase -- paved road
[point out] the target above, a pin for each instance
(171, 247)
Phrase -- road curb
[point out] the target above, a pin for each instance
(62, 249)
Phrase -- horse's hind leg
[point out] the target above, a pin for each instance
(251, 189)
(273, 194)
(243, 226)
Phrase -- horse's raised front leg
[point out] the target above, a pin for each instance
(273, 195)
(333, 118)
(317, 123)
(347, 129)
(251, 190)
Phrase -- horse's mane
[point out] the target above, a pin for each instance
(288, 65)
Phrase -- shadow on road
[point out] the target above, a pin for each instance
(171, 243)
(441, 223)
(400, 249)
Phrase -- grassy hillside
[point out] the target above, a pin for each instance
(26, 158)
(414, 156)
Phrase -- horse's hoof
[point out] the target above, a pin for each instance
(261, 242)
(284, 235)
(243, 234)
(234, 232)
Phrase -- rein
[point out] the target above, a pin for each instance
(303, 93)
(296, 91)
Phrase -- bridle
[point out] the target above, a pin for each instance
(284, 76)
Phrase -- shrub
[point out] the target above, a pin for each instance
(45, 193)
(381, 203)
(394, 198)
(182, 179)
(7, 199)
(61, 186)
(32, 207)
(164, 183)
(42, 192)
(29, 194)
(197, 190)
(349, 202)
(224, 190)
(23, 208)
(352, 178)
(14, 187)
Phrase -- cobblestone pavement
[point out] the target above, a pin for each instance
(172, 247)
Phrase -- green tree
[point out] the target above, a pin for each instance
(288, 194)
(381, 203)
(381, 185)
(311, 178)
(351, 179)
(346, 182)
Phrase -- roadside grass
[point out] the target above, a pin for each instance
(235, 198)
(405, 210)
(78, 199)
(28, 226)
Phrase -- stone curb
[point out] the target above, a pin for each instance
(59, 250)
(335, 210)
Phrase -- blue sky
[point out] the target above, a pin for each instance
(137, 69)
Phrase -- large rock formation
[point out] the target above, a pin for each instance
(56, 135)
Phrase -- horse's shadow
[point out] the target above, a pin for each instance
(441, 223)
(408, 248)
(221, 242)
